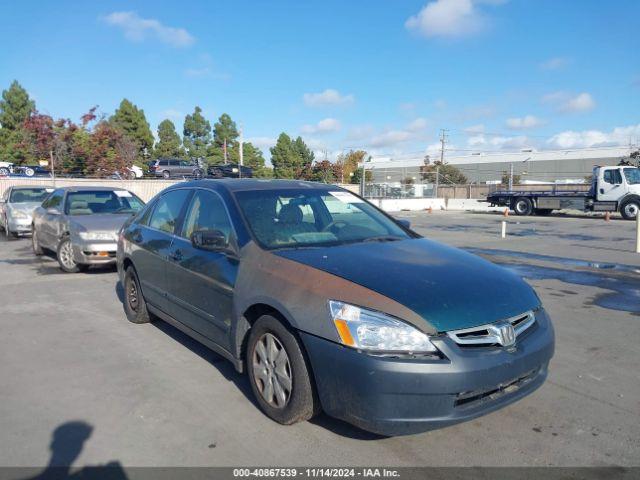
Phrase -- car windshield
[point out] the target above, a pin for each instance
(28, 195)
(306, 218)
(632, 175)
(102, 201)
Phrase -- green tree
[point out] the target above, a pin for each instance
(132, 122)
(284, 158)
(15, 108)
(306, 158)
(448, 174)
(224, 131)
(197, 134)
(505, 178)
(169, 144)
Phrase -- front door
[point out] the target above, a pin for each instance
(48, 224)
(610, 186)
(201, 282)
(153, 238)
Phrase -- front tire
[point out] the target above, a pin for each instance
(135, 306)
(279, 374)
(523, 206)
(37, 249)
(629, 209)
(66, 259)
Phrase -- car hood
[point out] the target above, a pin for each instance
(108, 222)
(448, 287)
(26, 207)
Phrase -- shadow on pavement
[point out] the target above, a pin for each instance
(66, 444)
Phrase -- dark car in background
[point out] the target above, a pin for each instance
(81, 224)
(330, 304)
(175, 168)
(230, 170)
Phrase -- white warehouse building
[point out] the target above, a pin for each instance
(531, 166)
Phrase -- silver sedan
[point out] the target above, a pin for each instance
(81, 225)
(16, 208)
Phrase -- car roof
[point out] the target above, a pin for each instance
(19, 187)
(89, 188)
(248, 184)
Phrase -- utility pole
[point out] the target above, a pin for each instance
(240, 154)
(53, 169)
(443, 140)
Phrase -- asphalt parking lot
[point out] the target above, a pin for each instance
(151, 396)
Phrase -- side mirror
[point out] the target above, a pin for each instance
(211, 240)
(53, 211)
(404, 222)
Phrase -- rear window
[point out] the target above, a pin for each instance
(28, 195)
(102, 202)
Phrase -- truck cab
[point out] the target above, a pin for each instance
(620, 184)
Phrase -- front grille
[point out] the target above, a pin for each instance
(469, 399)
(485, 335)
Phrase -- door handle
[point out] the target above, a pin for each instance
(176, 256)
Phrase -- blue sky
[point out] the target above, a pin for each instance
(383, 75)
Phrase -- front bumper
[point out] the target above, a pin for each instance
(94, 252)
(393, 396)
(19, 225)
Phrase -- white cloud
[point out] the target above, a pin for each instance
(263, 143)
(417, 125)
(138, 29)
(327, 125)
(583, 102)
(570, 103)
(523, 123)
(479, 128)
(555, 63)
(327, 97)
(450, 18)
(594, 138)
(390, 138)
(499, 142)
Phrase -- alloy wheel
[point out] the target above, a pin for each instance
(272, 371)
(132, 294)
(66, 255)
(631, 210)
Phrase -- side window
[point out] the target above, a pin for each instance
(146, 215)
(163, 163)
(206, 212)
(54, 200)
(174, 163)
(167, 211)
(613, 177)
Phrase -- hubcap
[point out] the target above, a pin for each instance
(272, 371)
(66, 255)
(132, 294)
(631, 210)
(521, 206)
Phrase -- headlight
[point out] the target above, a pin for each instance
(375, 331)
(17, 214)
(112, 236)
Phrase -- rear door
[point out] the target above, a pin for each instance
(201, 282)
(151, 243)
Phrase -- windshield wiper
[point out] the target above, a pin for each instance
(382, 238)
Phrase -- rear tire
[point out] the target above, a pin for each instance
(197, 174)
(135, 306)
(4, 172)
(279, 374)
(523, 206)
(629, 209)
(166, 174)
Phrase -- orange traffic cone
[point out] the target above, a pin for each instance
(607, 216)
(506, 212)
(430, 209)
